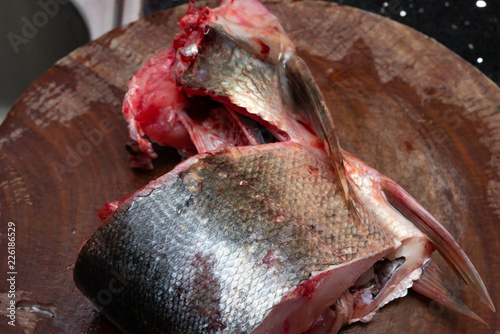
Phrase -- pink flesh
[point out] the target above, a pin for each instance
(248, 13)
(152, 104)
(107, 210)
(323, 323)
(221, 128)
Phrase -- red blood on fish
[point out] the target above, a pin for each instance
(270, 259)
(286, 327)
(107, 210)
(151, 103)
(307, 288)
(313, 170)
(264, 49)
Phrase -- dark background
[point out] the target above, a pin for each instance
(470, 31)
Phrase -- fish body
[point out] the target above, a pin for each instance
(284, 234)
(221, 240)
(251, 239)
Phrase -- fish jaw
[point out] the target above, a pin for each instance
(416, 252)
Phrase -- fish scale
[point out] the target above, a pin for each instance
(294, 174)
(230, 70)
(199, 235)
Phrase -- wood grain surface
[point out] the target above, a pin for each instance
(402, 103)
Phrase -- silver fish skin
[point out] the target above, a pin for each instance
(215, 245)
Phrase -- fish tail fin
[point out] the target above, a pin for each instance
(444, 242)
(432, 285)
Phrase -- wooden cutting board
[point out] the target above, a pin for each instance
(402, 102)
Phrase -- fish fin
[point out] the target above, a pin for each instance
(432, 285)
(440, 237)
(301, 97)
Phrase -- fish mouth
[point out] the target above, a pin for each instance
(362, 293)
(371, 283)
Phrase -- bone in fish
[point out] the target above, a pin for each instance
(271, 227)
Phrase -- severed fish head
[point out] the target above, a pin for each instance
(269, 226)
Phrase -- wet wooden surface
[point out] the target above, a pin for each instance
(402, 102)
